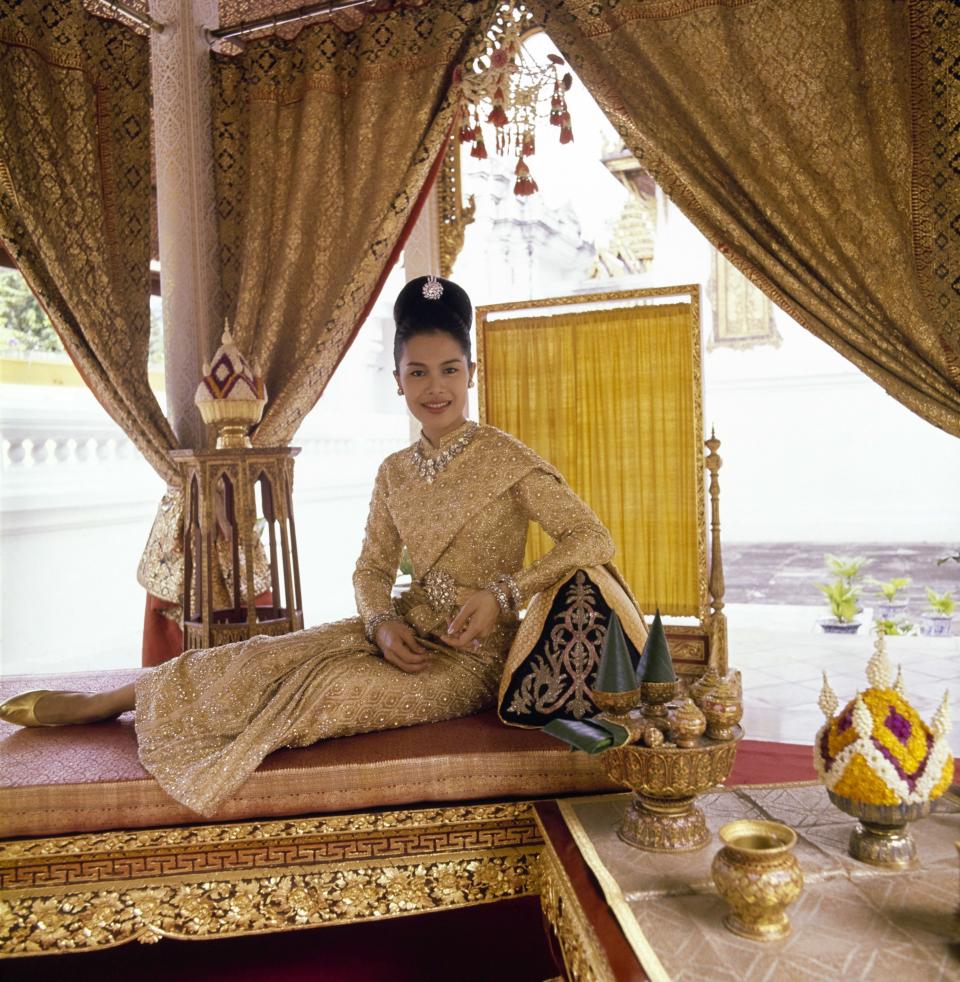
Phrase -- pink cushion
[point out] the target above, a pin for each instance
(84, 778)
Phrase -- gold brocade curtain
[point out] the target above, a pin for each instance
(322, 147)
(609, 398)
(75, 197)
(810, 141)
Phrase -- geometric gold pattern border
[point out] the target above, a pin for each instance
(91, 891)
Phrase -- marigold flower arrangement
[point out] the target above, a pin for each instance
(878, 751)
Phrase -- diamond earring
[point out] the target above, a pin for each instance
(399, 391)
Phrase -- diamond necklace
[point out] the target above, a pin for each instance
(429, 467)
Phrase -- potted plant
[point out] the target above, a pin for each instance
(846, 568)
(844, 606)
(938, 619)
(842, 594)
(890, 608)
(899, 627)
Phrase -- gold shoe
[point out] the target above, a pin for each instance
(20, 709)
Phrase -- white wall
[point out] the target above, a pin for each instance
(813, 450)
(72, 530)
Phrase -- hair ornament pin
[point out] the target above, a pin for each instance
(433, 288)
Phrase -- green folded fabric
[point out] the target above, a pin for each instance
(592, 737)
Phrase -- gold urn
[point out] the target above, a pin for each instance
(758, 876)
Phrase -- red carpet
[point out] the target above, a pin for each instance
(760, 762)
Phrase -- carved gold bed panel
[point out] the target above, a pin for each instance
(608, 387)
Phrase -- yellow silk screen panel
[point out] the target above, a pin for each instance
(607, 396)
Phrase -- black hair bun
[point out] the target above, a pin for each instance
(452, 311)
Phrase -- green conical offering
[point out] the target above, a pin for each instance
(615, 673)
(656, 665)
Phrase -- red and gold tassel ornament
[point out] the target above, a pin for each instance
(556, 106)
(498, 116)
(479, 149)
(525, 184)
(566, 130)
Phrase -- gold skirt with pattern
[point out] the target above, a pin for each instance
(206, 719)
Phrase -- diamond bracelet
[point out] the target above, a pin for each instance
(372, 624)
(507, 593)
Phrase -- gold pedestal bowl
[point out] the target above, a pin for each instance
(881, 837)
(666, 781)
(233, 419)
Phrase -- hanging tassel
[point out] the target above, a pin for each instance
(479, 149)
(525, 184)
(498, 116)
(467, 132)
(557, 105)
(566, 130)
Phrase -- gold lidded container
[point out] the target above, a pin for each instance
(758, 876)
(701, 686)
(687, 723)
(723, 707)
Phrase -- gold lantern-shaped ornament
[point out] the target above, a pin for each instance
(238, 516)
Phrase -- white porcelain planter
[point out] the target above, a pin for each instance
(936, 625)
(890, 610)
(832, 626)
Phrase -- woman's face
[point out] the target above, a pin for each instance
(434, 375)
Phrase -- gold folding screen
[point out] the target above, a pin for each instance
(611, 396)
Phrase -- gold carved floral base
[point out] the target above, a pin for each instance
(99, 890)
(583, 954)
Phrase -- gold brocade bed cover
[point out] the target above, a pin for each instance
(208, 718)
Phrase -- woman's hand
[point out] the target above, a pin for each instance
(400, 646)
(475, 621)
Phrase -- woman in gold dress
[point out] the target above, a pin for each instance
(460, 500)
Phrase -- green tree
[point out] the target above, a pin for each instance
(23, 324)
